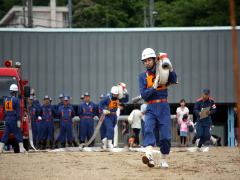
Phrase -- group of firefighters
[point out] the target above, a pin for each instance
(42, 117)
(152, 91)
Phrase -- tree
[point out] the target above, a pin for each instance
(171, 13)
(193, 13)
(108, 13)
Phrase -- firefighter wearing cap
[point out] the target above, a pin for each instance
(46, 125)
(158, 111)
(203, 124)
(34, 112)
(101, 97)
(109, 106)
(86, 111)
(35, 100)
(65, 114)
(11, 111)
(61, 96)
(82, 98)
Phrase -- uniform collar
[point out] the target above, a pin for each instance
(66, 106)
(151, 72)
(87, 103)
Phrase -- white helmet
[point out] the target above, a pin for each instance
(115, 90)
(13, 87)
(148, 53)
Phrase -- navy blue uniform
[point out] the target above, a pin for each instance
(58, 106)
(203, 125)
(11, 116)
(86, 112)
(46, 125)
(111, 104)
(65, 114)
(158, 111)
(34, 113)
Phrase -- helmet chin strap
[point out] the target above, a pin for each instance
(153, 68)
(114, 97)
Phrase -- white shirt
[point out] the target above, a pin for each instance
(135, 118)
(181, 112)
(143, 110)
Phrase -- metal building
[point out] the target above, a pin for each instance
(73, 61)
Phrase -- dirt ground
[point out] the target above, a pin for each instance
(218, 163)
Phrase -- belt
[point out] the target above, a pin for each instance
(48, 119)
(34, 120)
(88, 117)
(66, 120)
(112, 112)
(157, 101)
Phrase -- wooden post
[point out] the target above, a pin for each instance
(235, 63)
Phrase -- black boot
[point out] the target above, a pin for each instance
(37, 145)
(44, 144)
(219, 141)
(41, 145)
(75, 143)
(63, 145)
(69, 143)
(51, 144)
(91, 145)
(56, 143)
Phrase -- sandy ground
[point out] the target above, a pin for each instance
(218, 163)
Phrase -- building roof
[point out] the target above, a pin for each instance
(15, 9)
(115, 30)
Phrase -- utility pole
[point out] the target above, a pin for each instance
(70, 13)
(145, 16)
(151, 8)
(24, 17)
(53, 14)
(30, 20)
(235, 63)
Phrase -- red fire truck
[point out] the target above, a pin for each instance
(11, 75)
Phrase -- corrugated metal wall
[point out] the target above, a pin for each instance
(75, 61)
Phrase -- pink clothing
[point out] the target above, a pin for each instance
(184, 125)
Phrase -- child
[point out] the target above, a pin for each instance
(184, 123)
(125, 133)
(131, 141)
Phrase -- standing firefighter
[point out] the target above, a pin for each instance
(86, 111)
(34, 111)
(109, 106)
(46, 125)
(65, 114)
(203, 109)
(12, 118)
(158, 111)
(61, 96)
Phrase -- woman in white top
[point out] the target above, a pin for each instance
(179, 115)
(135, 120)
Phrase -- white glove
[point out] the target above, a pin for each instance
(39, 118)
(122, 84)
(18, 124)
(125, 91)
(105, 111)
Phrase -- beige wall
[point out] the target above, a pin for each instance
(40, 19)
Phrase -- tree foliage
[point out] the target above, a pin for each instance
(170, 13)
(108, 13)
